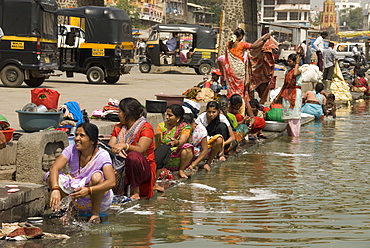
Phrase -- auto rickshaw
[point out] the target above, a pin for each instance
(195, 40)
(105, 48)
(28, 50)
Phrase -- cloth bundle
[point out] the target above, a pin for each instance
(311, 73)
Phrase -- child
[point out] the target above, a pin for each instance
(331, 107)
(260, 122)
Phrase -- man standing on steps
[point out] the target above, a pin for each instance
(319, 46)
(329, 57)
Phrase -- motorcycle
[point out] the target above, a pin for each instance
(351, 61)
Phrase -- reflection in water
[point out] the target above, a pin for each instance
(311, 191)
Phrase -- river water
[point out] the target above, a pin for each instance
(307, 192)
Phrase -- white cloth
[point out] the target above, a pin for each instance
(202, 118)
(310, 73)
(1, 33)
(319, 44)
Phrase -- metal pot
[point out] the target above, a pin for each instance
(156, 106)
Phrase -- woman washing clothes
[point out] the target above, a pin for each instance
(234, 63)
(314, 102)
(247, 123)
(360, 83)
(218, 128)
(133, 139)
(291, 94)
(200, 142)
(175, 133)
(91, 175)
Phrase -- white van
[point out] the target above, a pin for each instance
(345, 49)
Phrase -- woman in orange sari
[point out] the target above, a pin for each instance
(234, 64)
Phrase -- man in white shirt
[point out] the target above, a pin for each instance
(356, 53)
(319, 46)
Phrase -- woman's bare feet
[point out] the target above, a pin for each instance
(207, 167)
(95, 219)
(182, 174)
(222, 158)
(158, 188)
(135, 197)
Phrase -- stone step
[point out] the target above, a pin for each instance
(29, 201)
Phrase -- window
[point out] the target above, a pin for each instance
(282, 16)
(268, 12)
(293, 1)
(294, 16)
(269, 2)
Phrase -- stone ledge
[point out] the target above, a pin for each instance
(29, 201)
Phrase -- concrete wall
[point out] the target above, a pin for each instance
(30, 157)
(238, 13)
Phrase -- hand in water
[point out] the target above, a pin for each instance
(55, 200)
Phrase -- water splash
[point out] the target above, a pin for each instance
(202, 186)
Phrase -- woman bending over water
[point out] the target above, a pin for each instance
(91, 175)
(176, 134)
(218, 128)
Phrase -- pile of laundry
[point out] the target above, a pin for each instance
(25, 231)
(108, 112)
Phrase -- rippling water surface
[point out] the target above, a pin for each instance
(309, 192)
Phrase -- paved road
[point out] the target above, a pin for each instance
(95, 96)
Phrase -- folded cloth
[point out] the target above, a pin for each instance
(25, 231)
(107, 108)
(113, 102)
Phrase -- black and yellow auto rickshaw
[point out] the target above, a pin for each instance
(28, 51)
(195, 40)
(108, 48)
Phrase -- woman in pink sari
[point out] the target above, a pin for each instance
(234, 63)
(91, 175)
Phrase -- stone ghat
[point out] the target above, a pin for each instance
(27, 160)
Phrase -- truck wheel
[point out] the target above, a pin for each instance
(12, 76)
(145, 67)
(205, 69)
(197, 71)
(112, 80)
(34, 82)
(95, 75)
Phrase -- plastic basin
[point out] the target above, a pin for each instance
(171, 99)
(8, 134)
(35, 121)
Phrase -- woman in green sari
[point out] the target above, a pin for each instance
(175, 133)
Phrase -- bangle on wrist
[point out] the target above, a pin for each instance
(89, 190)
(55, 188)
(127, 147)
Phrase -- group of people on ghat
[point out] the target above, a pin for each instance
(187, 141)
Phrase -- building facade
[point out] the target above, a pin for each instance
(290, 12)
(288, 20)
